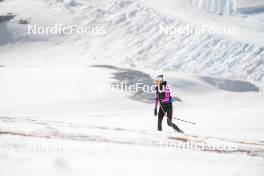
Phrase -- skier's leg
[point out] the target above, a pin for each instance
(160, 118)
(169, 120)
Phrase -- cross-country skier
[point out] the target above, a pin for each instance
(163, 98)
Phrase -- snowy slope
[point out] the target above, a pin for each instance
(133, 39)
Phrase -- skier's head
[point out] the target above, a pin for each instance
(158, 80)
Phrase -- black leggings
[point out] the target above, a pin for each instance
(166, 108)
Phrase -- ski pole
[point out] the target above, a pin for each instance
(176, 118)
(184, 120)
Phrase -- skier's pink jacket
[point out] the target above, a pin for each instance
(166, 97)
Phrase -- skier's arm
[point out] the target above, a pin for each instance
(156, 105)
(156, 101)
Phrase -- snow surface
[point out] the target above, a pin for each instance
(54, 120)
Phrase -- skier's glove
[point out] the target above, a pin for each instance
(155, 112)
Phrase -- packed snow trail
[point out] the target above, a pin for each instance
(58, 130)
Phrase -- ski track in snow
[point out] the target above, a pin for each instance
(100, 134)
